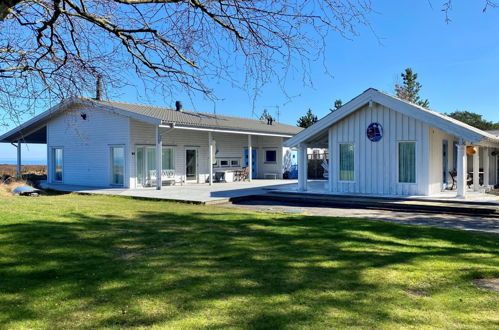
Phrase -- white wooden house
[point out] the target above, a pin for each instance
(381, 145)
(107, 144)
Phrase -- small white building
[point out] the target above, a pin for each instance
(381, 145)
(113, 144)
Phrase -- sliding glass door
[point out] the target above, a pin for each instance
(146, 164)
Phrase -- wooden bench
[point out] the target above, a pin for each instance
(273, 175)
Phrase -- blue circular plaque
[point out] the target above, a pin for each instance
(374, 132)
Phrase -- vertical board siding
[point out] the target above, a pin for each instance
(86, 145)
(376, 163)
(436, 138)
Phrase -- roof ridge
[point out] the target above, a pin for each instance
(185, 111)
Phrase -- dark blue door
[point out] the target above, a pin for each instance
(253, 161)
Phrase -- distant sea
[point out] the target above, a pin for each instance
(23, 162)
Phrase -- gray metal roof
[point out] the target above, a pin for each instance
(33, 131)
(493, 132)
(203, 119)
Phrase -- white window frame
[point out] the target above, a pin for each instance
(415, 162)
(238, 163)
(52, 160)
(265, 156)
(354, 163)
(173, 155)
(110, 147)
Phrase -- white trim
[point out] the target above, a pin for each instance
(110, 147)
(265, 155)
(40, 120)
(354, 162)
(415, 162)
(52, 170)
(434, 119)
(197, 163)
(225, 131)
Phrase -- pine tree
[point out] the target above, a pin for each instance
(307, 120)
(409, 89)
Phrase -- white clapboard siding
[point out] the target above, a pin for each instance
(86, 145)
(376, 163)
(229, 146)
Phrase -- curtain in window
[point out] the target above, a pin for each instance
(346, 162)
(407, 162)
(168, 159)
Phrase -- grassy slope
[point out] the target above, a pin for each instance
(94, 261)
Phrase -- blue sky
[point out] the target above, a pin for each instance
(457, 64)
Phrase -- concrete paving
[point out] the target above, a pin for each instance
(463, 222)
(194, 193)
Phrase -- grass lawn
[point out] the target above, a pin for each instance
(74, 261)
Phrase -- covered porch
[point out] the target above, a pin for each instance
(181, 155)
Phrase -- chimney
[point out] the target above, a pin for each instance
(178, 105)
(98, 88)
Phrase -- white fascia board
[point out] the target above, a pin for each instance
(330, 119)
(468, 134)
(41, 117)
(429, 118)
(224, 130)
(64, 104)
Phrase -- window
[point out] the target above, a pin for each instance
(270, 156)
(57, 165)
(168, 160)
(224, 163)
(234, 162)
(407, 162)
(117, 165)
(346, 162)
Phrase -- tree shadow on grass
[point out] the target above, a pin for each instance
(233, 269)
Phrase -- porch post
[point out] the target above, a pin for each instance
(302, 168)
(461, 171)
(159, 158)
(210, 143)
(476, 170)
(250, 159)
(330, 160)
(19, 159)
(486, 167)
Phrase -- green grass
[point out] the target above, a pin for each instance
(74, 261)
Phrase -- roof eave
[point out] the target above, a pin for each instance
(225, 130)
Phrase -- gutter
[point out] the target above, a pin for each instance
(173, 125)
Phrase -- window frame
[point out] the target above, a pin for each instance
(270, 161)
(111, 146)
(53, 174)
(354, 162)
(172, 148)
(415, 162)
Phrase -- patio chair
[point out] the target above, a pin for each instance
(469, 180)
(453, 175)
